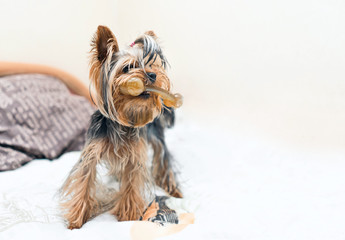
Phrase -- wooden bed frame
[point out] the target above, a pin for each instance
(74, 84)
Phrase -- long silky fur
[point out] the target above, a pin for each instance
(78, 191)
(119, 134)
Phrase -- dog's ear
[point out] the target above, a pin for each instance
(103, 43)
(151, 33)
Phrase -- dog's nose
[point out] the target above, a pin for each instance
(152, 76)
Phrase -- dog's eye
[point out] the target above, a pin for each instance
(125, 69)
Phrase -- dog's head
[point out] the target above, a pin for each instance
(112, 67)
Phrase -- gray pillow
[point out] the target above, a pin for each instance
(39, 118)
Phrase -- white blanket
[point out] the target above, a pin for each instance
(29, 200)
(239, 186)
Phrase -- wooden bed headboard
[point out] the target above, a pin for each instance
(74, 84)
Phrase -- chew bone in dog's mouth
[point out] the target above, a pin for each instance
(135, 87)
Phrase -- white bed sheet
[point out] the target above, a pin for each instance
(239, 186)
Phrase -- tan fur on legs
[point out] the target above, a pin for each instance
(79, 188)
(162, 171)
(130, 201)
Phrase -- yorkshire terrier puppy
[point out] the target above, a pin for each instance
(121, 131)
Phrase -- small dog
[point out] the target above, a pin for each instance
(121, 131)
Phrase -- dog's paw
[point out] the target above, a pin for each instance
(128, 208)
(79, 212)
(74, 226)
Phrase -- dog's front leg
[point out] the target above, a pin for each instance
(79, 188)
(130, 201)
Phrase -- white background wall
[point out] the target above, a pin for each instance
(49, 32)
(272, 68)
